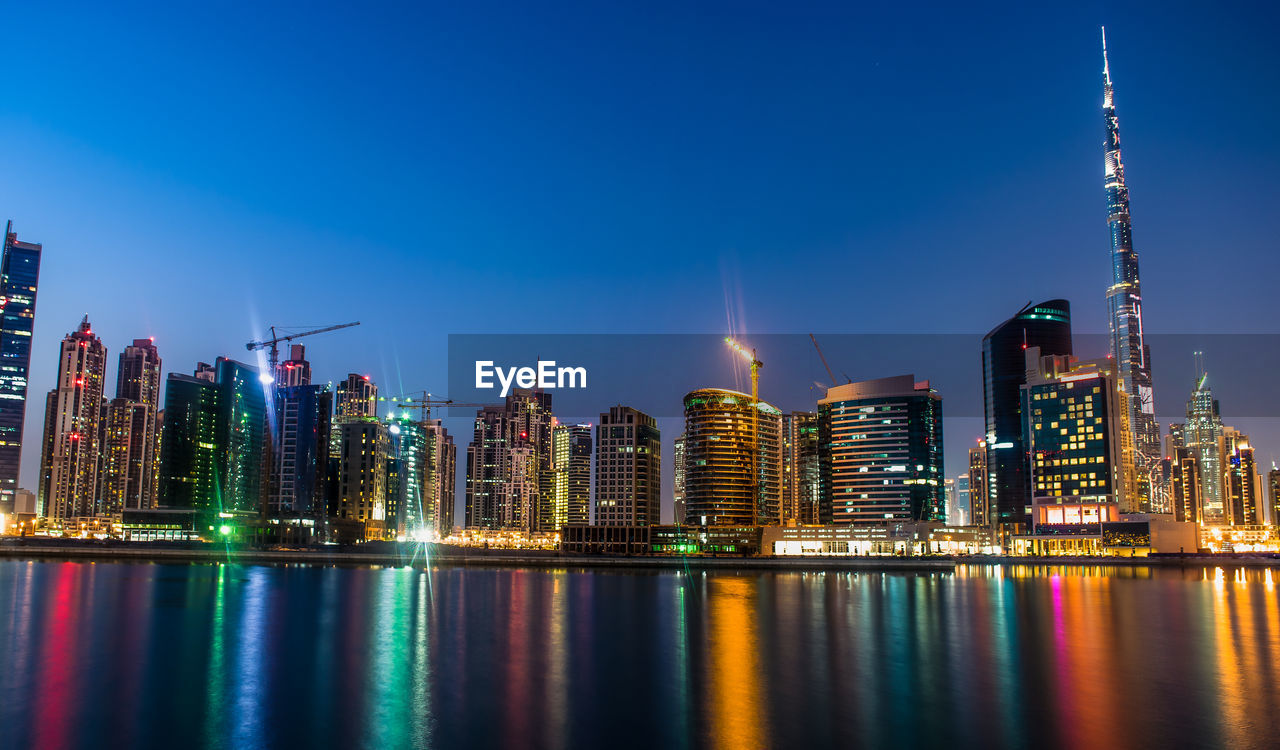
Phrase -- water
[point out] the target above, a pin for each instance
(140, 655)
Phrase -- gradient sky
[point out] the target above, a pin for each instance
(197, 173)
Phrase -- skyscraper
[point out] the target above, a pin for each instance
(1078, 439)
(720, 489)
(212, 447)
(357, 397)
(880, 444)
(677, 461)
(571, 448)
(628, 469)
(295, 370)
(299, 454)
(979, 485)
(76, 427)
(1184, 477)
(1124, 300)
(129, 465)
(1273, 493)
(1239, 478)
(408, 476)
(441, 490)
(1202, 435)
(364, 446)
(19, 277)
(801, 499)
(1007, 494)
(510, 481)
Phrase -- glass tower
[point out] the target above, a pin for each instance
(1006, 498)
(19, 274)
(1124, 300)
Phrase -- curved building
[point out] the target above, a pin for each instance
(718, 442)
(1004, 372)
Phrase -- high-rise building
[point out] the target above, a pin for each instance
(129, 450)
(441, 490)
(1047, 325)
(76, 427)
(962, 502)
(1184, 477)
(1078, 440)
(1202, 435)
(357, 397)
(364, 446)
(408, 476)
(510, 481)
(1273, 493)
(571, 450)
(19, 277)
(214, 438)
(802, 495)
(726, 435)
(628, 469)
(881, 451)
(678, 496)
(1239, 478)
(980, 511)
(295, 370)
(1124, 299)
(303, 417)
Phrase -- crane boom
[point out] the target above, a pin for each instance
(823, 357)
(274, 341)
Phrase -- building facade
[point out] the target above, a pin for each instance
(628, 469)
(572, 453)
(1202, 436)
(1124, 300)
(1082, 471)
(19, 280)
(130, 462)
(881, 451)
(1239, 478)
(980, 513)
(802, 493)
(303, 417)
(76, 426)
(733, 460)
(1048, 327)
(677, 482)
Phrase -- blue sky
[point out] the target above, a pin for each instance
(196, 173)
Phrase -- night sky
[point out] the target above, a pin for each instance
(198, 173)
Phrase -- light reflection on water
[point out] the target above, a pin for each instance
(255, 656)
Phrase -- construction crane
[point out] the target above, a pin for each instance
(275, 340)
(755, 364)
(823, 357)
(424, 404)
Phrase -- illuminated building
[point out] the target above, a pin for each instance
(1202, 435)
(677, 483)
(1124, 300)
(801, 498)
(1007, 496)
(408, 474)
(442, 474)
(19, 277)
(881, 451)
(571, 449)
(510, 482)
(300, 451)
(75, 427)
(1273, 494)
(1239, 478)
(357, 397)
(213, 439)
(1184, 477)
(979, 485)
(295, 370)
(628, 469)
(1081, 464)
(364, 447)
(721, 428)
(129, 466)
(962, 501)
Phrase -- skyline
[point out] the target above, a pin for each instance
(1079, 283)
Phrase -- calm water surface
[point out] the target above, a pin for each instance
(141, 655)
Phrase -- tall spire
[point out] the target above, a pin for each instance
(1124, 300)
